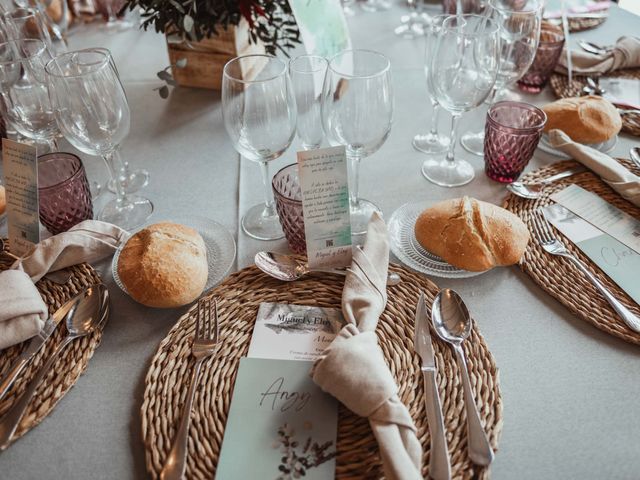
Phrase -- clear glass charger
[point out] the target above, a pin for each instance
(405, 246)
(604, 147)
(221, 248)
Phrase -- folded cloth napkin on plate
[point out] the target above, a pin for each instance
(615, 175)
(22, 311)
(88, 241)
(626, 54)
(352, 368)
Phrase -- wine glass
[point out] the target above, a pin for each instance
(109, 10)
(28, 23)
(93, 114)
(259, 111)
(432, 142)
(307, 75)
(375, 5)
(24, 90)
(357, 111)
(519, 23)
(412, 25)
(463, 71)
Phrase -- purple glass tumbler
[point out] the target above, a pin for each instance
(547, 56)
(288, 196)
(65, 199)
(511, 135)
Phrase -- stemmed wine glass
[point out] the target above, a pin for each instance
(519, 24)
(463, 71)
(259, 111)
(412, 25)
(93, 114)
(28, 23)
(307, 74)
(357, 111)
(432, 142)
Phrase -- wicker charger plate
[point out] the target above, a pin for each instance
(238, 299)
(71, 362)
(556, 275)
(561, 88)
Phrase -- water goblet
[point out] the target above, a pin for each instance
(307, 74)
(547, 56)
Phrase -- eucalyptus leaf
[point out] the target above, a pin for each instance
(164, 91)
(164, 75)
(182, 63)
(187, 23)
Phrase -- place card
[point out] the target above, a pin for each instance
(601, 214)
(280, 424)
(20, 167)
(622, 91)
(324, 183)
(618, 261)
(293, 332)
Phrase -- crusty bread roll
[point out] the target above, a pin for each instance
(164, 265)
(471, 234)
(587, 119)
(3, 199)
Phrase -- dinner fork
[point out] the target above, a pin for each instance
(552, 245)
(204, 345)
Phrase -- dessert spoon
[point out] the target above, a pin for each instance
(453, 323)
(593, 48)
(534, 190)
(634, 153)
(288, 268)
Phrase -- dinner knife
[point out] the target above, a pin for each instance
(34, 346)
(439, 463)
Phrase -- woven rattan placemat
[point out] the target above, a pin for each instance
(559, 277)
(577, 24)
(238, 299)
(561, 88)
(71, 363)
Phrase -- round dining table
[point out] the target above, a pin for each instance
(570, 391)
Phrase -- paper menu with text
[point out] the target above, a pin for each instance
(324, 183)
(280, 425)
(20, 171)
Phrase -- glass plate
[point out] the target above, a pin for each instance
(604, 147)
(221, 248)
(405, 246)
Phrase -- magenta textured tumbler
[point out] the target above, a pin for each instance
(65, 199)
(288, 196)
(511, 135)
(547, 56)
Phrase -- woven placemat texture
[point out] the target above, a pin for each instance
(563, 89)
(71, 363)
(581, 24)
(238, 300)
(557, 275)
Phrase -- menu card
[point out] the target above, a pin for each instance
(20, 167)
(281, 425)
(293, 332)
(622, 91)
(322, 25)
(325, 206)
(614, 258)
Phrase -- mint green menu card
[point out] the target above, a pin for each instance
(280, 425)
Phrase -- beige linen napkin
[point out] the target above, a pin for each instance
(88, 241)
(352, 368)
(615, 175)
(626, 54)
(22, 311)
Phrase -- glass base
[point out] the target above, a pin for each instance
(409, 30)
(431, 144)
(136, 181)
(118, 25)
(133, 215)
(473, 143)
(258, 224)
(448, 174)
(375, 5)
(361, 215)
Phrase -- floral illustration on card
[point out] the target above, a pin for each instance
(300, 457)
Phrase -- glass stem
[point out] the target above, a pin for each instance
(269, 205)
(454, 138)
(116, 169)
(434, 118)
(354, 181)
(53, 145)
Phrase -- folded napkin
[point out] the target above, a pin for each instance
(88, 241)
(615, 175)
(626, 54)
(22, 311)
(352, 368)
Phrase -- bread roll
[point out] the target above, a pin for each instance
(3, 200)
(471, 234)
(587, 120)
(164, 265)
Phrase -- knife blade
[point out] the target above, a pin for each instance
(439, 462)
(35, 345)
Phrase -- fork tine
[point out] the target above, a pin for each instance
(546, 228)
(215, 319)
(198, 316)
(536, 227)
(207, 316)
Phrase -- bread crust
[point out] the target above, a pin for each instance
(164, 265)
(3, 199)
(471, 234)
(589, 119)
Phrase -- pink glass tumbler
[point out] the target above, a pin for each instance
(288, 196)
(547, 56)
(511, 135)
(63, 189)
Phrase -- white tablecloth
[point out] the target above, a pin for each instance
(570, 391)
